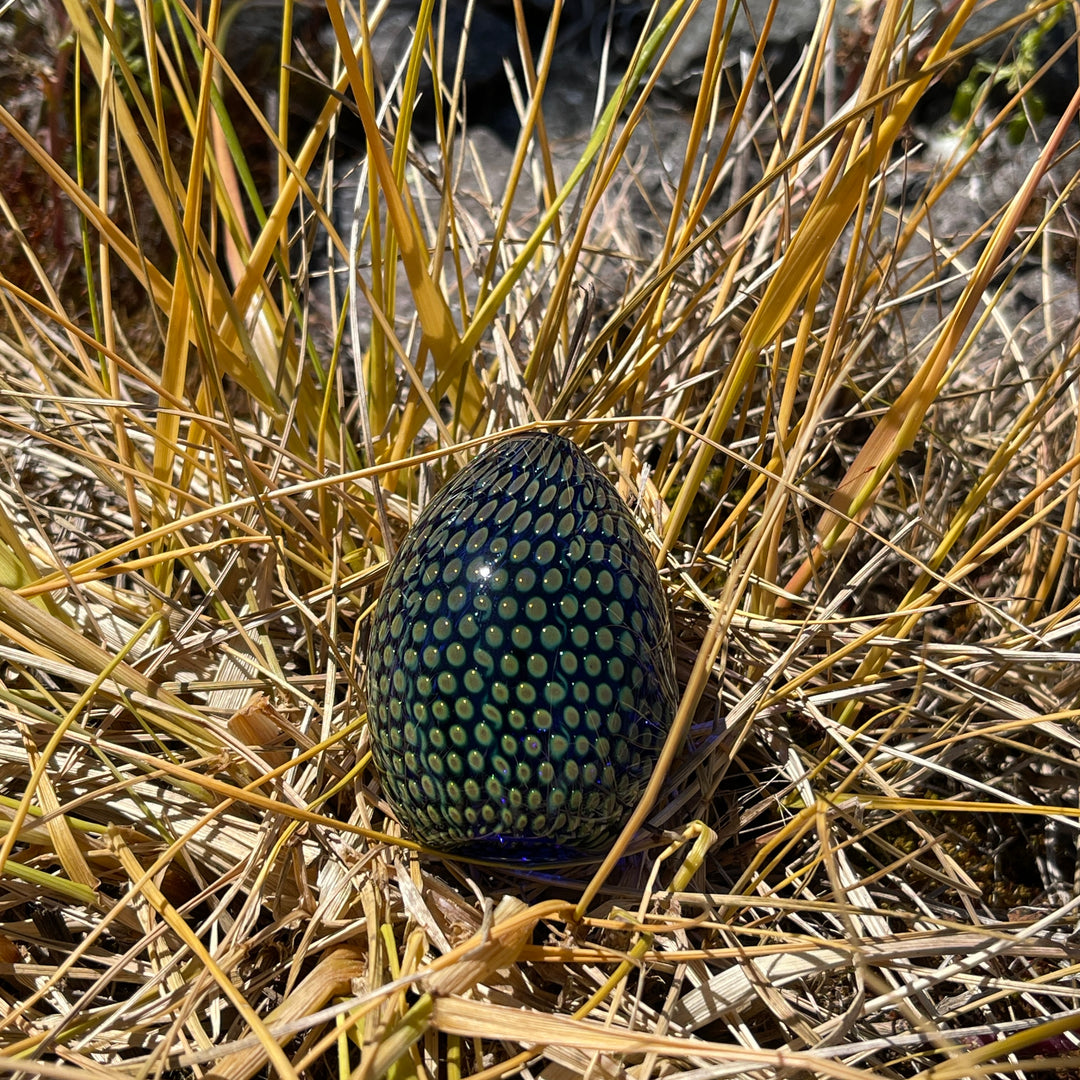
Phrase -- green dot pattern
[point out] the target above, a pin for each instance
(520, 672)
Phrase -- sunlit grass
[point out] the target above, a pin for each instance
(227, 388)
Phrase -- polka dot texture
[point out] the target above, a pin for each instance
(520, 674)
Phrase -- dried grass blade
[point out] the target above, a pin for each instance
(962, 1064)
(202, 781)
(812, 244)
(156, 284)
(141, 157)
(68, 852)
(897, 430)
(152, 279)
(457, 972)
(333, 976)
(458, 1016)
(185, 293)
(487, 311)
(12, 604)
(513, 922)
(59, 639)
(17, 568)
(142, 884)
(431, 305)
(600, 143)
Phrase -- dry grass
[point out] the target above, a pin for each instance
(852, 437)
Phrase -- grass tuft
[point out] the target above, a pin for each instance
(823, 337)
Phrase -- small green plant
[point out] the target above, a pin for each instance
(973, 94)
